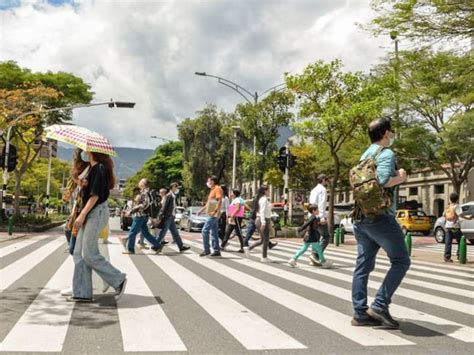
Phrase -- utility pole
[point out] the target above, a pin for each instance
(286, 179)
(48, 184)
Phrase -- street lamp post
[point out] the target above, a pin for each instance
(251, 98)
(48, 184)
(165, 139)
(394, 37)
(111, 104)
(234, 158)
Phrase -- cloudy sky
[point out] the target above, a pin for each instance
(147, 51)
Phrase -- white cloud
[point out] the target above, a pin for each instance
(148, 51)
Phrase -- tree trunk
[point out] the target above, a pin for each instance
(332, 191)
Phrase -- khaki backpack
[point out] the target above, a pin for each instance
(450, 214)
(371, 198)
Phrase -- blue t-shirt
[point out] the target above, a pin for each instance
(386, 168)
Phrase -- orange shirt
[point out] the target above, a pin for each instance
(212, 201)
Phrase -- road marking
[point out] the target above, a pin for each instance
(325, 316)
(144, 324)
(437, 248)
(43, 326)
(17, 269)
(243, 324)
(407, 280)
(18, 245)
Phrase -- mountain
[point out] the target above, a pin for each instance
(127, 162)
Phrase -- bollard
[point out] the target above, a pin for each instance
(10, 225)
(342, 235)
(462, 250)
(338, 236)
(408, 242)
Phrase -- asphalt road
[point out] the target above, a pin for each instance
(180, 303)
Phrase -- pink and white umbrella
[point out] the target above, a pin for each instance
(87, 140)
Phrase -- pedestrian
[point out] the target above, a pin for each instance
(452, 214)
(318, 196)
(155, 223)
(166, 217)
(136, 200)
(140, 214)
(223, 214)
(263, 223)
(375, 227)
(211, 227)
(235, 214)
(312, 238)
(89, 223)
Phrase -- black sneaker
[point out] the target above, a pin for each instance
(365, 322)
(119, 291)
(272, 245)
(164, 242)
(240, 251)
(448, 260)
(184, 248)
(385, 317)
(216, 254)
(205, 253)
(158, 249)
(79, 299)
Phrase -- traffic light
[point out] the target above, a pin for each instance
(292, 161)
(281, 159)
(12, 158)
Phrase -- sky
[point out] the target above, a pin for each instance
(148, 51)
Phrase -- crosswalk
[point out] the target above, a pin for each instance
(439, 249)
(182, 302)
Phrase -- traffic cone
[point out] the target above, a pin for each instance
(408, 242)
(462, 250)
(338, 236)
(342, 235)
(10, 225)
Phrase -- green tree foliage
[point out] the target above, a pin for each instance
(163, 168)
(426, 20)
(263, 120)
(334, 107)
(208, 144)
(22, 91)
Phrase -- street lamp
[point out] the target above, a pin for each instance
(394, 37)
(251, 98)
(111, 104)
(165, 139)
(234, 158)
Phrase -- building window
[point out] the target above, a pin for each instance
(413, 191)
(439, 189)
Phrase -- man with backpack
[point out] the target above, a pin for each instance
(453, 225)
(166, 217)
(373, 182)
(140, 213)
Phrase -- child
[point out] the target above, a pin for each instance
(312, 238)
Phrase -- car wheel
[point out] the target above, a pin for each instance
(439, 235)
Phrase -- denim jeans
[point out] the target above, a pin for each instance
(87, 256)
(139, 225)
(211, 227)
(371, 235)
(171, 226)
(251, 227)
(451, 233)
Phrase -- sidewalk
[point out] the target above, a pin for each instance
(4, 237)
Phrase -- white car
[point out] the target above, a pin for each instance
(346, 224)
(178, 214)
(467, 225)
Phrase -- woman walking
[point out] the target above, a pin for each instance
(263, 223)
(235, 214)
(93, 217)
(223, 213)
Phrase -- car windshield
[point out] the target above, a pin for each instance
(417, 214)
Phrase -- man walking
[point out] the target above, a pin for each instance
(166, 215)
(379, 230)
(213, 207)
(140, 215)
(318, 197)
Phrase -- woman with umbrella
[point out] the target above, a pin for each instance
(94, 214)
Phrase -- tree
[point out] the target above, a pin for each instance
(22, 91)
(437, 100)
(163, 168)
(207, 149)
(263, 120)
(426, 20)
(334, 107)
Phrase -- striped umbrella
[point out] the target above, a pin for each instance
(80, 137)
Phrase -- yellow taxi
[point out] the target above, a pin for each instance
(414, 221)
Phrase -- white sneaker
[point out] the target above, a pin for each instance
(327, 264)
(66, 292)
(313, 261)
(247, 252)
(265, 260)
(292, 262)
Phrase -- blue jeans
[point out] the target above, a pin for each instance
(371, 235)
(139, 226)
(451, 233)
(211, 227)
(251, 227)
(87, 256)
(171, 225)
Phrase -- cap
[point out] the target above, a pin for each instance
(322, 177)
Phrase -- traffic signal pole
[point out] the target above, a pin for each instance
(286, 178)
(3, 195)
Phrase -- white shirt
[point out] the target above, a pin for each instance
(456, 223)
(225, 204)
(264, 209)
(318, 196)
